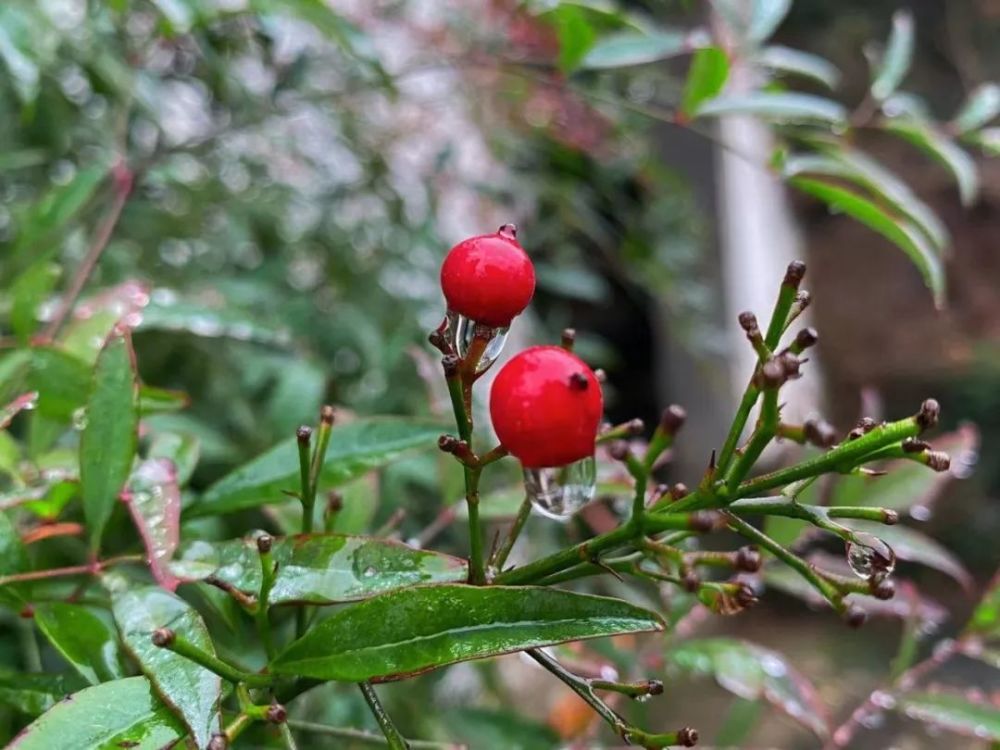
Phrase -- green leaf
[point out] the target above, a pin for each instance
(953, 712)
(88, 643)
(167, 312)
(708, 74)
(753, 673)
(190, 690)
(13, 558)
(912, 546)
(765, 17)
(319, 568)
(154, 501)
(62, 382)
(988, 139)
(160, 400)
(355, 448)
(34, 694)
(982, 106)
(480, 727)
(413, 630)
(780, 107)
(120, 714)
(943, 150)
(27, 293)
(896, 60)
(796, 62)
(576, 36)
(897, 230)
(108, 442)
(95, 317)
(180, 448)
(985, 620)
(26, 401)
(628, 48)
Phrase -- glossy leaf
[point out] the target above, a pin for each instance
(63, 382)
(417, 629)
(359, 505)
(912, 546)
(942, 149)
(34, 694)
(319, 568)
(788, 61)
(189, 689)
(987, 139)
(982, 106)
(895, 229)
(478, 727)
(154, 501)
(95, 317)
(120, 714)
(160, 400)
(634, 48)
(13, 558)
(708, 74)
(576, 35)
(167, 312)
(355, 448)
(88, 643)
(52, 498)
(896, 60)
(780, 107)
(753, 673)
(108, 442)
(953, 712)
(27, 293)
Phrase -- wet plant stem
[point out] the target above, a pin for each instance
(183, 647)
(503, 552)
(72, 570)
(394, 739)
(262, 615)
(361, 737)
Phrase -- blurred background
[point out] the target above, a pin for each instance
(301, 168)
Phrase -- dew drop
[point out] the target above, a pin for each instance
(462, 332)
(921, 512)
(560, 491)
(369, 572)
(508, 231)
(869, 556)
(80, 419)
(644, 698)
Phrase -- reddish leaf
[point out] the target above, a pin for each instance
(154, 500)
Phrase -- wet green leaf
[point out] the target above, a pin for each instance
(706, 77)
(575, 35)
(189, 689)
(897, 230)
(13, 558)
(953, 712)
(788, 61)
(120, 714)
(108, 442)
(478, 727)
(355, 448)
(34, 694)
(942, 149)
(62, 381)
(753, 673)
(634, 48)
(27, 293)
(165, 312)
(417, 629)
(319, 568)
(780, 107)
(982, 106)
(896, 60)
(86, 641)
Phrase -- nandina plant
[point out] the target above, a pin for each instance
(165, 638)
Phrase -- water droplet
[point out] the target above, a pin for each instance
(369, 572)
(462, 332)
(644, 698)
(508, 231)
(560, 491)
(872, 719)
(80, 418)
(869, 556)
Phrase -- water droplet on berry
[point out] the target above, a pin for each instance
(560, 491)
(508, 231)
(869, 556)
(462, 333)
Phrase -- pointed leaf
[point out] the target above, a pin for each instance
(167, 312)
(180, 448)
(120, 714)
(796, 62)
(982, 106)
(27, 293)
(943, 150)
(765, 18)
(780, 107)
(13, 559)
(108, 442)
(9, 411)
(154, 500)
(896, 60)
(417, 629)
(34, 694)
(955, 713)
(985, 620)
(319, 568)
(88, 643)
(95, 317)
(628, 48)
(355, 448)
(189, 689)
(753, 673)
(895, 229)
(575, 35)
(987, 139)
(707, 76)
(912, 546)
(63, 382)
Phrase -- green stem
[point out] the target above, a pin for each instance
(237, 727)
(779, 317)
(500, 558)
(750, 396)
(286, 735)
(393, 738)
(307, 508)
(180, 645)
(316, 467)
(762, 435)
(477, 567)
(262, 615)
(361, 737)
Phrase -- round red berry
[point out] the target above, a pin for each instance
(488, 279)
(546, 406)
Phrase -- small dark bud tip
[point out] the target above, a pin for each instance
(748, 559)
(890, 517)
(448, 443)
(508, 231)
(568, 338)
(618, 450)
(790, 364)
(326, 415)
(276, 713)
(673, 419)
(795, 273)
(654, 687)
(884, 589)
(218, 742)
(912, 445)
(772, 374)
(635, 426)
(806, 337)
(855, 616)
(702, 521)
(578, 381)
(938, 460)
(334, 501)
(691, 581)
(688, 737)
(303, 434)
(264, 543)
(746, 597)
(162, 637)
(678, 491)
(929, 413)
(748, 321)
(450, 364)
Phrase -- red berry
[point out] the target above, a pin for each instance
(546, 406)
(488, 279)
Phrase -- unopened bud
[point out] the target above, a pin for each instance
(913, 445)
(938, 460)
(568, 338)
(791, 364)
(162, 637)
(927, 417)
(635, 427)
(326, 415)
(746, 597)
(450, 364)
(855, 616)
(772, 374)
(883, 589)
(618, 450)
(805, 338)
(276, 713)
(687, 737)
(748, 321)
(303, 434)
(654, 687)
(334, 501)
(691, 581)
(449, 443)
(748, 559)
(890, 517)
(673, 419)
(819, 432)
(794, 274)
(678, 491)
(702, 521)
(264, 543)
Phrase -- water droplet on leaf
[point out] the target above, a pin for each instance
(560, 491)
(462, 332)
(869, 556)
(80, 418)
